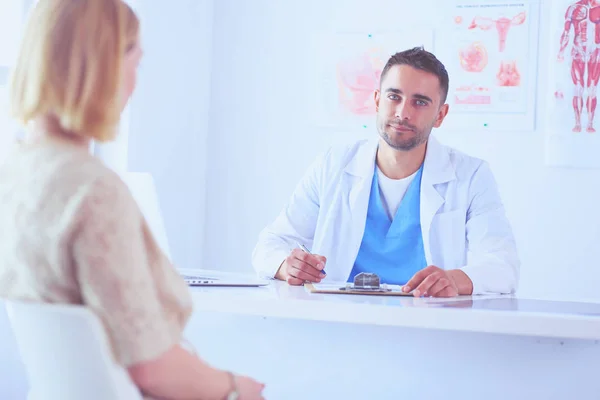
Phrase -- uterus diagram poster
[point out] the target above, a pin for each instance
(572, 133)
(490, 51)
(348, 72)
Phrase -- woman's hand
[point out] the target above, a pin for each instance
(249, 389)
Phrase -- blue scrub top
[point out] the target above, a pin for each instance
(392, 249)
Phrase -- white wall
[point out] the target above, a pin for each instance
(261, 141)
(169, 116)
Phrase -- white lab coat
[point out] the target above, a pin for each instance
(463, 220)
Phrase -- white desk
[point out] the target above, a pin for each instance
(318, 346)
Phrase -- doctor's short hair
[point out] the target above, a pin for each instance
(69, 65)
(421, 59)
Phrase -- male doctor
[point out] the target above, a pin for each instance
(404, 206)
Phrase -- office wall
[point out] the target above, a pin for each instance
(261, 140)
(169, 116)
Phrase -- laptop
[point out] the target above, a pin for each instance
(210, 280)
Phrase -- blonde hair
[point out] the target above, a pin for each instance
(69, 65)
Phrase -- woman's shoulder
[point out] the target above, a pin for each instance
(102, 186)
(64, 176)
(79, 172)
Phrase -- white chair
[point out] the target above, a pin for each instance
(13, 380)
(66, 354)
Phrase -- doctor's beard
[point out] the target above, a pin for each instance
(398, 141)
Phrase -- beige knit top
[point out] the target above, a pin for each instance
(71, 232)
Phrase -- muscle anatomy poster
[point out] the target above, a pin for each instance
(490, 51)
(573, 131)
(347, 73)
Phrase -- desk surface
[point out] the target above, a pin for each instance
(496, 314)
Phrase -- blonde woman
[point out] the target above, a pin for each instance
(71, 231)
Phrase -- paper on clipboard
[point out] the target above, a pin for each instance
(339, 288)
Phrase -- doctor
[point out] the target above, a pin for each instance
(404, 206)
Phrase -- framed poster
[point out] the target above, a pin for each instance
(490, 51)
(572, 135)
(347, 68)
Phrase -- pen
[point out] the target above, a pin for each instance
(304, 249)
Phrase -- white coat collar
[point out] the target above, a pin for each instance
(437, 167)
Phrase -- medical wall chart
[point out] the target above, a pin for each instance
(572, 134)
(490, 51)
(347, 71)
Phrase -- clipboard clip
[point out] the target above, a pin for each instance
(367, 282)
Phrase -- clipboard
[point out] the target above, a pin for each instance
(330, 288)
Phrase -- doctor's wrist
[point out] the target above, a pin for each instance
(462, 281)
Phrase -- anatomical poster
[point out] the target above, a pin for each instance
(490, 51)
(348, 71)
(573, 130)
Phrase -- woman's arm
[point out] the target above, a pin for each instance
(127, 281)
(178, 374)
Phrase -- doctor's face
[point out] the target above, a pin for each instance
(408, 106)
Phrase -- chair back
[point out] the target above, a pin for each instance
(13, 380)
(66, 353)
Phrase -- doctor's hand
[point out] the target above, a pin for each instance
(433, 281)
(300, 267)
